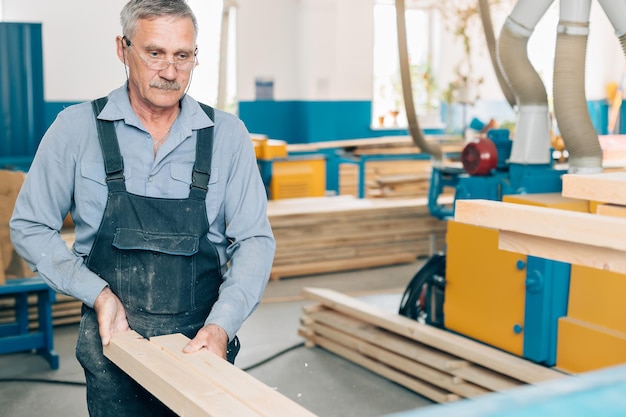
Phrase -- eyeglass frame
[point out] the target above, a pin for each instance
(150, 61)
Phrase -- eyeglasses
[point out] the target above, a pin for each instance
(157, 64)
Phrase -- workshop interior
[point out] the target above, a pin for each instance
(444, 182)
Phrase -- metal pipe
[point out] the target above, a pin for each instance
(485, 17)
(531, 144)
(570, 103)
(417, 135)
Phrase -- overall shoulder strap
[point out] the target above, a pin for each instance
(204, 152)
(113, 162)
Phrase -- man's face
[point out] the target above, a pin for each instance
(166, 38)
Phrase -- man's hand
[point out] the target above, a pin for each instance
(212, 337)
(111, 315)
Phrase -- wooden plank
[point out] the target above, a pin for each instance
(391, 341)
(178, 387)
(256, 395)
(420, 371)
(340, 265)
(457, 345)
(486, 378)
(614, 210)
(558, 250)
(607, 187)
(562, 225)
(199, 384)
(423, 388)
(321, 205)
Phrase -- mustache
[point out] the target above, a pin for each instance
(165, 85)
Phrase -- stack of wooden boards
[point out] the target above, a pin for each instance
(200, 384)
(387, 179)
(435, 363)
(593, 334)
(328, 234)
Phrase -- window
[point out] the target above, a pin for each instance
(204, 85)
(423, 24)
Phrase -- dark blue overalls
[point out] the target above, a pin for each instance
(155, 255)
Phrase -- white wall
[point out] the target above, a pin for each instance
(267, 40)
(312, 49)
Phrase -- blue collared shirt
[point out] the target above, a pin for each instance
(67, 174)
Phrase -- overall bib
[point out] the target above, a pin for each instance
(155, 255)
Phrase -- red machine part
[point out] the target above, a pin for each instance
(479, 156)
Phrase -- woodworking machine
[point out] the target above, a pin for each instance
(508, 300)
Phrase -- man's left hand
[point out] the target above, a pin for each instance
(212, 337)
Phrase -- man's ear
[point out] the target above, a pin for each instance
(121, 49)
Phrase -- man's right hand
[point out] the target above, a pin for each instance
(111, 315)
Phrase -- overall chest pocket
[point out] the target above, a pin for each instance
(156, 271)
(182, 174)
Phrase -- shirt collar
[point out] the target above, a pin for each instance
(191, 116)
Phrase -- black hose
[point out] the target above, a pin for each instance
(411, 305)
(272, 357)
(44, 381)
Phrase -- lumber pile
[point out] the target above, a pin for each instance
(329, 234)
(199, 384)
(434, 363)
(387, 179)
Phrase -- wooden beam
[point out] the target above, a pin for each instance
(393, 360)
(558, 250)
(446, 341)
(607, 187)
(561, 225)
(614, 210)
(382, 338)
(264, 400)
(200, 384)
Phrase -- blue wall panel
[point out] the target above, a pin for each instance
(22, 121)
(311, 121)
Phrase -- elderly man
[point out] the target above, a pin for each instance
(168, 205)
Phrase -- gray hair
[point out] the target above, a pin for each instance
(152, 9)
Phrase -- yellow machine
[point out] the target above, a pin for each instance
(488, 291)
(550, 312)
(289, 176)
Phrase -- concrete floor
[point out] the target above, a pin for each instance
(272, 352)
